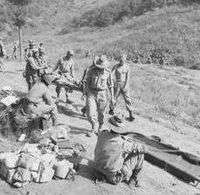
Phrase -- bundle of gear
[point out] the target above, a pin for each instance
(39, 163)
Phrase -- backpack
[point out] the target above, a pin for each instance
(108, 153)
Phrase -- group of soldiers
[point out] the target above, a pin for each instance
(117, 157)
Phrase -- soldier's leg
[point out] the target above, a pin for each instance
(101, 107)
(58, 90)
(116, 96)
(28, 80)
(128, 103)
(91, 105)
(133, 163)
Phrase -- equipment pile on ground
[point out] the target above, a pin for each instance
(38, 163)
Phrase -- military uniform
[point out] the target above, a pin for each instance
(98, 82)
(31, 71)
(121, 86)
(41, 102)
(65, 69)
(118, 157)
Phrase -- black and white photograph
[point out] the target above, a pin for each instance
(99, 97)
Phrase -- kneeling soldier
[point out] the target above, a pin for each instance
(117, 156)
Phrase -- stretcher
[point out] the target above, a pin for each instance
(181, 164)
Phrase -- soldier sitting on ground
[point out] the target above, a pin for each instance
(118, 157)
(37, 110)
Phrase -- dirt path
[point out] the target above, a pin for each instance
(154, 180)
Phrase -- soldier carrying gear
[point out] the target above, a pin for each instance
(118, 157)
(121, 85)
(32, 68)
(98, 82)
(65, 68)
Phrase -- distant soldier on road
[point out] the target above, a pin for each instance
(65, 68)
(121, 85)
(2, 54)
(98, 82)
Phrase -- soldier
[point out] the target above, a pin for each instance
(98, 81)
(14, 54)
(41, 102)
(65, 68)
(83, 84)
(2, 54)
(28, 51)
(32, 68)
(118, 157)
(121, 86)
(43, 62)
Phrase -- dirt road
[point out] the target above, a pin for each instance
(154, 180)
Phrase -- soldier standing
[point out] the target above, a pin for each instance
(65, 68)
(28, 51)
(121, 85)
(32, 68)
(98, 82)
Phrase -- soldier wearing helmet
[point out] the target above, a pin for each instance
(98, 81)
(65, 68)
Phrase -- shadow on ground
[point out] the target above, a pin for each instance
(69, 112)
